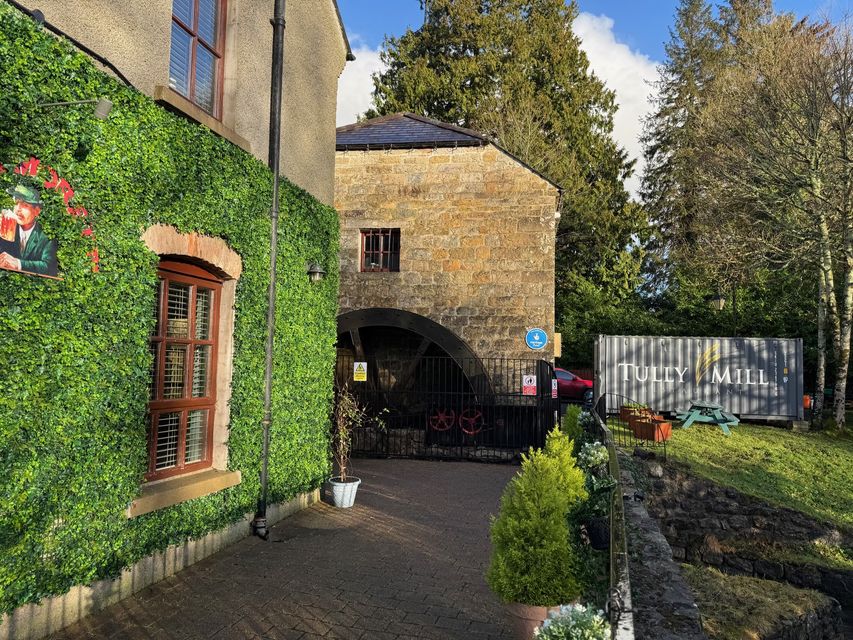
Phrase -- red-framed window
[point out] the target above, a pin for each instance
(195, 58)
(380, 249)
(183, 391)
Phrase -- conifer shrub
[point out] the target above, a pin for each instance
(572, 479)
(534, 560)
(571, 424)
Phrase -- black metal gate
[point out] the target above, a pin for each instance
(441, 407)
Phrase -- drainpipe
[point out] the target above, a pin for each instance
(259, 525)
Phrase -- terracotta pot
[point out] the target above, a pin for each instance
(525, 619)
(654, 430)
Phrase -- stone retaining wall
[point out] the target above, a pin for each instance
(663, 603)
(704, 521)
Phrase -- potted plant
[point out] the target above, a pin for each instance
(629, 410)
(534, 564)
(574, 621)
(594, 514)
(654, 428)
(348, 416)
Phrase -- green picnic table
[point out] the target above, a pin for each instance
(707, 413)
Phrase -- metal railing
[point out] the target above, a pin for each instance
(619, 603)
(632, 424)
(440, 407)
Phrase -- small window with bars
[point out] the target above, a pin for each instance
(182, 395)
(380, 249)
(195, 58)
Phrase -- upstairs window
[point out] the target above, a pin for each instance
(195, 61)
(380, 249)
(183, 381)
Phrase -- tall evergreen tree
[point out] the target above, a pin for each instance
(515, 70)
(670, 190)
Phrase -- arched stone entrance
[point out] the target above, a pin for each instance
(395, 335)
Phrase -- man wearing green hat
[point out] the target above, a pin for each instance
(31, 250)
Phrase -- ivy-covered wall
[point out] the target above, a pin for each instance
(74, 360)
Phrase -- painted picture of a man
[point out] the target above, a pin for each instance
(28, 250)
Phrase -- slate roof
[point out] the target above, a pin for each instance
(405, 131)
(411, 131)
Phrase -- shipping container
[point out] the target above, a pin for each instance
(757, 378)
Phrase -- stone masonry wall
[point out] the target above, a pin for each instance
(477, 233)
(707, 523)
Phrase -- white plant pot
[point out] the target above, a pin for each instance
(343, 493)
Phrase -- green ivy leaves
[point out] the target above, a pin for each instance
(75, 361)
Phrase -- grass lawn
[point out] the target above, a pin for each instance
(808, 472)
(740, 608)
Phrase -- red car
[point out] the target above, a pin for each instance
(572, 388)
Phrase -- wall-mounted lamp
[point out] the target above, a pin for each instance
(315, 272)
(102, 106)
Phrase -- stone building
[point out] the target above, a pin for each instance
(209, 60)
(447, 243)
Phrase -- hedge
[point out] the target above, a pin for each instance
(74, 359)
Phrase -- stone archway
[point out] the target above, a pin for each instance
(431, 337)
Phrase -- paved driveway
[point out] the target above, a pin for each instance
(406, 562)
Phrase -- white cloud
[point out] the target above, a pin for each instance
(355, 86)
(627, 73)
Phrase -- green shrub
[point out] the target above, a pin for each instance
(533, 559)
(560, 447)
(574, 622)
(592, 456)
(571, 423)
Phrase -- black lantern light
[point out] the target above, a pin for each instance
(315, 272)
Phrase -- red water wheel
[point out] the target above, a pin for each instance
(442, 420)
(471, 421)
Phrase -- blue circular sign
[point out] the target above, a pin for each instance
(536, 339)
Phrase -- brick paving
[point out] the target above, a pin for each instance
(406, 562)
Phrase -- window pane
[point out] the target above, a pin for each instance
(173, 376)
(179, 60)
(154, 349)
(196, 436)
(203, 298)
(201, 364)
(205, 78)
(167, 440)
(178, 325)
(183, 9)
(207, 17)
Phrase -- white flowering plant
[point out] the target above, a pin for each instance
(574, 622)
(592, 456)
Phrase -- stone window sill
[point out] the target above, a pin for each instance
(171, 491)
(177, 102)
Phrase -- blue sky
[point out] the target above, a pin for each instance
(641, 24)
(623, 40)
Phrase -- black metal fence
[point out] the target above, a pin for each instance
(440, 407)
(619, 600)
(633, 425)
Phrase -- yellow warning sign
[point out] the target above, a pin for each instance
(359, 372)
